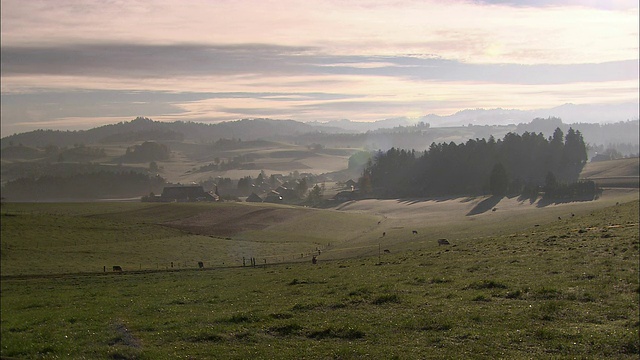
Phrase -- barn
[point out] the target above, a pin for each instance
(273, 197)
(350, 184)
(254, 198)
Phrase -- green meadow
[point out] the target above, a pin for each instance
(556, 289)
(68, 238)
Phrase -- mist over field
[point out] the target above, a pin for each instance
(137, 157)
(319, 180)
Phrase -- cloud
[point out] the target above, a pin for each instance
(614, 5)
(461, 30)
(363, 60)
(166, 61)
(123, 60)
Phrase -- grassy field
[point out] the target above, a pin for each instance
(613, 173)
(87, 237)
(563, 289)
(273, 158)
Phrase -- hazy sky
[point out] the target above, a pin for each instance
(79, 64)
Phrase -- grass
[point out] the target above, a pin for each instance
(552, 291)
(89, 237)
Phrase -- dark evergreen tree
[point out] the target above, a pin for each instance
(302, 187)
(550, 182)
(457, 169)
(315, 195)
(498, 182)
(260, 179)
(244, 185)
(574, 154)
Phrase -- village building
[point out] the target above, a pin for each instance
(183, 193)
(288, 194)
(274, 197)
(253, 198)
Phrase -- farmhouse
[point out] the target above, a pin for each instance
(287, 194)
(273, 197)
(254, 198)
(183, 193)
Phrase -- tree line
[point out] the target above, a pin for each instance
(145, 152)
(100, 184)
(511, 165)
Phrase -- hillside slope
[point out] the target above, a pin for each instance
(613, 173)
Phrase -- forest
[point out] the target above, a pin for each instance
(102, 184)
(512, 165)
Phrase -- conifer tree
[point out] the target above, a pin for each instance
(498, 182)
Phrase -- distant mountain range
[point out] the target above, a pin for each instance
(569, 113)
(144, 129)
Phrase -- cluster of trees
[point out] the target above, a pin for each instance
(101, 184)
(315, 197)
(78, 153)
(144, 135)
(22, 152)
(614, 151)
(477, 167)
(237, 162)
(576, 190)
(51, 153)
(359, 160)
(146, 152)
(246, 184)
(623, 132)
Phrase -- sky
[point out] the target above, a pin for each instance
(72, 65)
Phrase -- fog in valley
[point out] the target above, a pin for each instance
(285, 179)
(119, 100)
(135, 158)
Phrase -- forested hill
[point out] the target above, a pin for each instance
(509, 165)
(623, 136)
(143, 129)
(623, 132)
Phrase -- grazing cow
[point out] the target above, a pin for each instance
(387, 251)
(559, 218)
(117, 268)
(378, 222)
(384, 233)
(443, 242)
(572, 214)
(494, 209)
(415, 232)
(200, 264)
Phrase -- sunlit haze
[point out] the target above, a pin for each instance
(80, 64)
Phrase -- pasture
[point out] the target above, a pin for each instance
(272, 157)
(514, 283)
(87, 237)
(613, 173)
